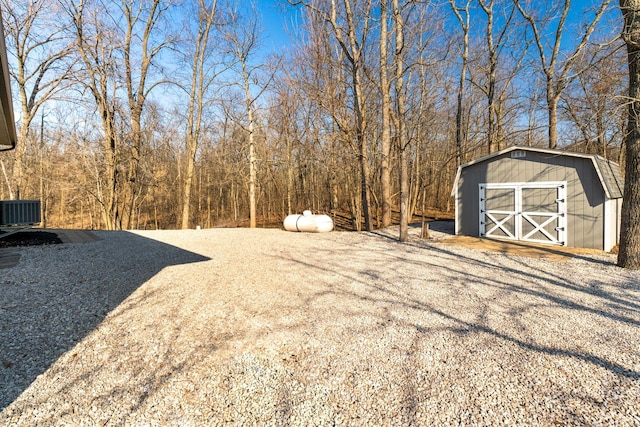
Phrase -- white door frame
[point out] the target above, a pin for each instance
(490, 224)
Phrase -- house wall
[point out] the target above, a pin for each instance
(585, 196)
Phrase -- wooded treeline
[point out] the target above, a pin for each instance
(172, 114)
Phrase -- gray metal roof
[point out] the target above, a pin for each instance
(609, 172)
(611, 177)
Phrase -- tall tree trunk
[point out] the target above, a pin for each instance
(20, 156)
(7, 181)
(601, 138)
(361, 135)
(196, 101)
(491, 75)
(464, 25)
(133, 181)
(385, 142)
(364, 155)
(402, 125)
(243, 39)
(252, 151)
(25, 123)
(552, 108)
(289, 173)
(109, 202)
(629, 253)
(416, 180)
(137, 91)
(252, 171)
(192, 148)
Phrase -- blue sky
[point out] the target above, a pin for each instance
(278, 18)
(276, 15)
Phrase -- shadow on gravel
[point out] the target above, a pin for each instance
(563, 292)
(49, 306)
(549, 285)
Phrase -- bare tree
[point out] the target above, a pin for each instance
(351, 33)
(320, 79)
(141, 23)
(401, 120)
(594, 101)
(41, 50)
(558, 66)
(629, 253)
(495, 39)
(243, 38)
(117, 46)
(463, 15)
(385, 138)
(202, 77)
(96, 46)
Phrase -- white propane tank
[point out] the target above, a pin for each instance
(308, 222)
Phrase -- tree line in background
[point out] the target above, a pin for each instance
(171, 114)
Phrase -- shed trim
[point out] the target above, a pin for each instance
(611, 223)
(520, 216)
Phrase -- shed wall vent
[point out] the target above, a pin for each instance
(518, 154)
(19, 212)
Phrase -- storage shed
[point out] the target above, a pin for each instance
(542, 196)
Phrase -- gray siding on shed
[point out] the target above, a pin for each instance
(585, 194)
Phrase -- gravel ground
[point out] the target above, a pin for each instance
(245, 327)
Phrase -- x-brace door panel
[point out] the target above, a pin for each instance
(533, 212)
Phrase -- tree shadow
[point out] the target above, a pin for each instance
(390, 288)
(174, 332)
(57, 295)
(556, 279)
(556, 289)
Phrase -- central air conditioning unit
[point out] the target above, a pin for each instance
(19, 212)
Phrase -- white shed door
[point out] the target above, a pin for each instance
(532, 212)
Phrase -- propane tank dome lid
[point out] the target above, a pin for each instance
(307, 213)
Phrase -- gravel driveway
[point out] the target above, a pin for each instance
(238, 326)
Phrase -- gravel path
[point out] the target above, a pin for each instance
(244, 327)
